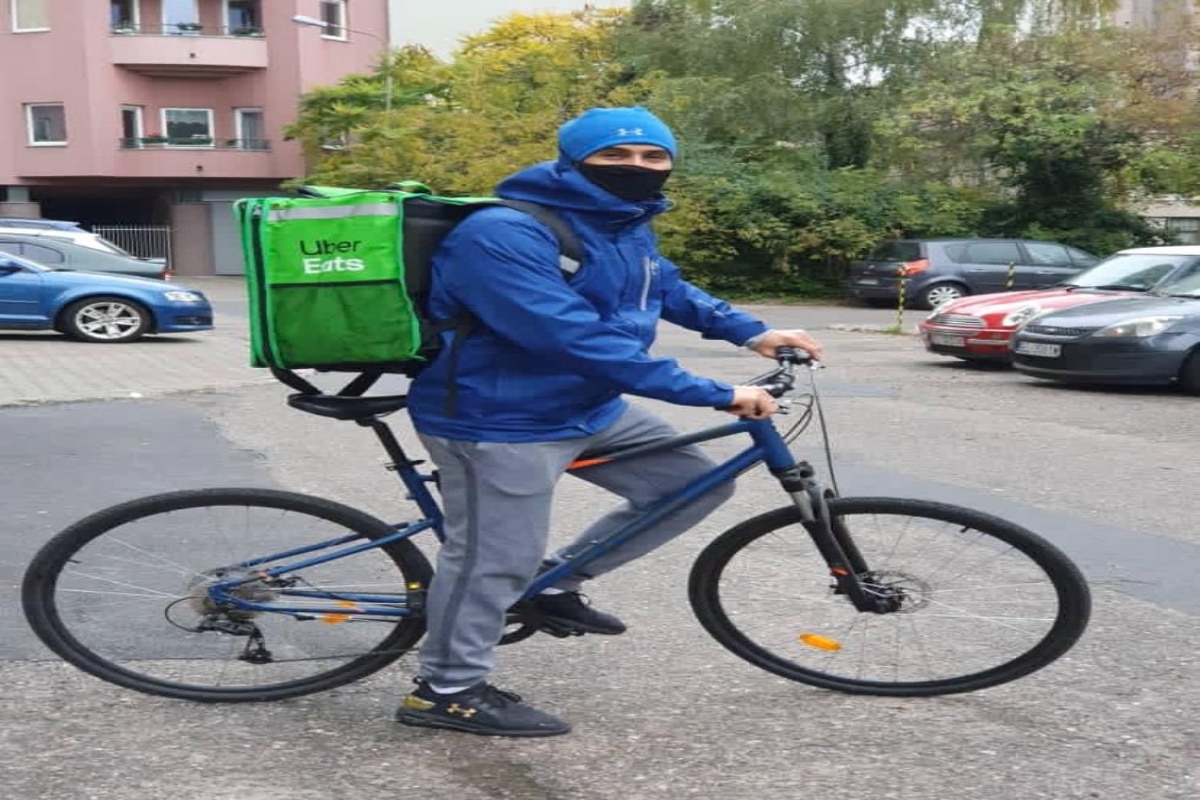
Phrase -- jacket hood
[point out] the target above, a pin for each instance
(559, 185)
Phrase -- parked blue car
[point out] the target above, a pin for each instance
(96, 307)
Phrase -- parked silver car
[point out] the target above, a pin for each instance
(50, 251)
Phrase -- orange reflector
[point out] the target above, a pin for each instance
(337, 619)
(820, 642)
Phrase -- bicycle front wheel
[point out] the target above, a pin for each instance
(981, 601)
(124, 595)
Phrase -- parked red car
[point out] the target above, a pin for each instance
(981, 327)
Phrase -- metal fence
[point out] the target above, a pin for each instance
(144, 241)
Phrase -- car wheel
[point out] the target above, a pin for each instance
(940, 294)
(1189, 376)
(106, 320)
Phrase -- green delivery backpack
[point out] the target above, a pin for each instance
(338, 278)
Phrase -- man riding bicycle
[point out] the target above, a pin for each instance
(538, 382)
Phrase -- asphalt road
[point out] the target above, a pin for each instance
(663, 711)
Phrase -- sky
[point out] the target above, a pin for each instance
(440, 25)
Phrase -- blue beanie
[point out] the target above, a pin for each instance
(599, 128)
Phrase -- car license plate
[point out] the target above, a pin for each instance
(868, 281)
(1039, 349)
(946, 340)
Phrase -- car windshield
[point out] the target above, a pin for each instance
(1187, 286)
(896, 251)
(112, 248)
(1137, 272)
(95, 242)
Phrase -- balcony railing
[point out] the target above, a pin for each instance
(193, 143)
(186, 29)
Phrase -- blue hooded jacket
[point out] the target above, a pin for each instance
(549, 359)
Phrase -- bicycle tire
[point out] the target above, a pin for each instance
(61, 556)
(820, 658)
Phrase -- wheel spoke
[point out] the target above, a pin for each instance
(127, 595)
(969, 601)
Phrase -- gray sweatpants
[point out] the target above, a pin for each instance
(497, 500)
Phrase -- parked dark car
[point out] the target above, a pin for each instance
(1152, 339)
(981, 327)
(94, 307)
(50, 251)
(937, 271)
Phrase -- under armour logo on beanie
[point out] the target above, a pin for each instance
(599, 128)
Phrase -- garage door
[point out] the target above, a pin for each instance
(226, 245)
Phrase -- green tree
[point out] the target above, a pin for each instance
(463, 126)
(1069, 124)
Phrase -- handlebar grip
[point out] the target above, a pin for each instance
(792, 355)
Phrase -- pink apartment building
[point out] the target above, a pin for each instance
(165, 111)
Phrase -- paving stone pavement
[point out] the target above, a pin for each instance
(46, 367)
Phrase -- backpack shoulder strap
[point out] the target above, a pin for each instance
(570, 250)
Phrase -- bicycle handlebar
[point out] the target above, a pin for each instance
(780, 380)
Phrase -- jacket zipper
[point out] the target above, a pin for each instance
(649, 276)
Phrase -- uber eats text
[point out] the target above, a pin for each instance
(320, 251)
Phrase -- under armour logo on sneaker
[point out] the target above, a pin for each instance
(630, 132)
(465, 713)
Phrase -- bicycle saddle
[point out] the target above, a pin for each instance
(338, 407)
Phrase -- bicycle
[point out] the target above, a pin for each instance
(882, 596)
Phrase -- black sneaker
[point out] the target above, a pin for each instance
(481, 709)
(568, 610)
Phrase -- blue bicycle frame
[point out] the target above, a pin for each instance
(769, 447)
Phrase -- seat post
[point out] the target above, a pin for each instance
(387, 439)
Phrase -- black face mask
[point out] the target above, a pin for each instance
(634, 184)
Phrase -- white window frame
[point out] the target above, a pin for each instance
(343, 21)
(29, 107)
(139, 123)
(136, 22)
(212, 137)
(239, 130)
(12, 7)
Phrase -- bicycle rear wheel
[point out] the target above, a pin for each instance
(982, 601)
(122, 595)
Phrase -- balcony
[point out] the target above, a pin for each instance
(193, 143)
(188, 50)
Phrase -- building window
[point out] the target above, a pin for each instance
(131, 126)
(181, 17)
(333, 14)
(123, 15)
(251, 131)
(188, 127)
(30, 15)
(47, 123)
(1183, 230)
(243, 18)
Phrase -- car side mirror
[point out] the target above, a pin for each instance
(9, 267)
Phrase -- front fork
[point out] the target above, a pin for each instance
(833, 540)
